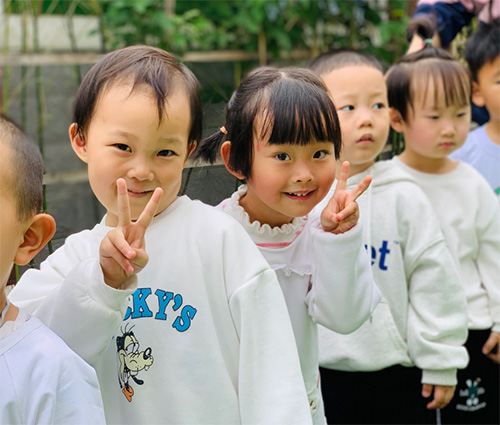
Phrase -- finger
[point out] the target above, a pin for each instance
(348, 211)
(123, 204)
(150, 209)
(342, 180)
(427, 390)
(490, 343)
(117, 241)
(360, 188)
(113, 253)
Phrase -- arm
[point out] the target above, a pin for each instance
(488, 233)
(343, 292)
(79, 290)
(437, 311)
(270, 384)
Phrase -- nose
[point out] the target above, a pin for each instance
(302, 172)
(448, 128)
(140, 170)
(365, 117)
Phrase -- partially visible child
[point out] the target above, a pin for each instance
(412, 344)
(41, 380)
(482, 147)
(281, 136)
(429, 95)
(201, 335)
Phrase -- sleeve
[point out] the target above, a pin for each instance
(270, 384)
(343, 293)
(68, 295)
(488, 234)
(437, 311)
(451, 16)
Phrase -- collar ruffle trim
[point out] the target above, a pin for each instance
(261, 233)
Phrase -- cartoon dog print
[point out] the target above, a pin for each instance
(131, 361)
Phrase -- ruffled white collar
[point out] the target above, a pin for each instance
(262, 234)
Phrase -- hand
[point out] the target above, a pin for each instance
(342, 212)
(122, 252)
(442, 395)
(489, 347)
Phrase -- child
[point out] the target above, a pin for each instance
(42, 380)
(201, 335)
(282, 137)
(412, 342)
(482, 147)
(429, 96)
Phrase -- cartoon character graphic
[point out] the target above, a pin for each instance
(131, 361)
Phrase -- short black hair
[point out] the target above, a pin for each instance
(25, 180)
(288, 105)
(150, 66)
(429, 65)
(483, 46)
(341, 58)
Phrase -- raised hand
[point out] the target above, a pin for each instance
(342, 212)
(122, 252)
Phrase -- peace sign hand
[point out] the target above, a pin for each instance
(123, 251)
(342, 211)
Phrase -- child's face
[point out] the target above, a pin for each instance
(433, 131)
(125, 140)
(11, 228)
(288, 181)
(360, 96)
(488, 87)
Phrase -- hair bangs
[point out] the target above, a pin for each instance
(451, 77)
(296, 116)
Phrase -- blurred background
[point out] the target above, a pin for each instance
(47, 46)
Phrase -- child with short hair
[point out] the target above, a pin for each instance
(201, 335)
(281, 136)
(42, 380)
(412, 343)
(429, 95)
(482, 147)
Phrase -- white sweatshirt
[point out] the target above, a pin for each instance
(325, 278)
(469, 214)
(421, 320)
(42, 381)
(204, 336)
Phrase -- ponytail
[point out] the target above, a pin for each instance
(209, 148)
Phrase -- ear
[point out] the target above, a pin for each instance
(41, 229)
(477, 95)
(225, 152)
(396, 120)
(77, 142)
(191, 148)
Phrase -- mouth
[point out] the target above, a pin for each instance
(138, 193)
(365, 139)
(447, 145)
(301, 195)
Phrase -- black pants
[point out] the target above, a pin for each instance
(389, 396)
(477, 397)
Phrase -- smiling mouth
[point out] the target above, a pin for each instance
(299, 195)
(138, 193)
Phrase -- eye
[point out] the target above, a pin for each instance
(347, 108)
(461, 114)
(320, 154)
(166, 152)
(433, 117)
(282, 157)
(129, 349)
(122, 147)
(379, 106)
